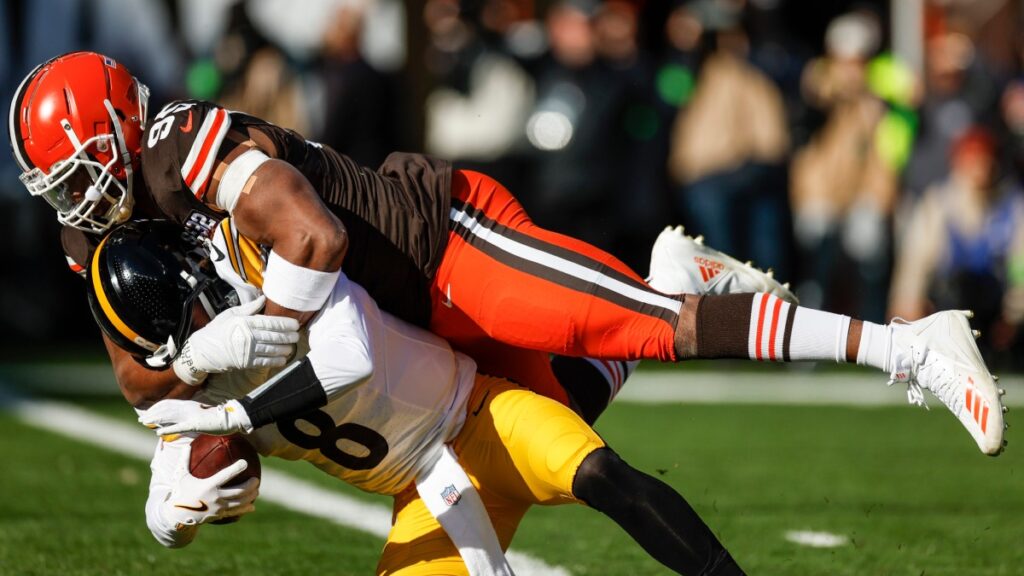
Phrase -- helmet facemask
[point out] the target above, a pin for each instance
(213, 294)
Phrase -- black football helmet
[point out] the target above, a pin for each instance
(144, 278)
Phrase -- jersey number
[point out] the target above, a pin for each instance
(329, 435)
(162, 125)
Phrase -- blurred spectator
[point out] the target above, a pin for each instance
(844, 183)
(960, 91)
(964, 245)
(639, 206)
(257, 76)
(360, 108)
(575, 129)
(729, 145)
(270, 90)
(479, 107)
(1012, 105)
(139, 35)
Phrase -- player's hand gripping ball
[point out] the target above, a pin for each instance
(211, 454)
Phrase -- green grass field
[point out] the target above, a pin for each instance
(906, 487)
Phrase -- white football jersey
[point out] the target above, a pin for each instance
(376, 432)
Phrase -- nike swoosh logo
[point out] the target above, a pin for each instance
(201, 508)
(188, 124)
(481, 406)
(448, 297)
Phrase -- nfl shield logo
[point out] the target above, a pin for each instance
(450, 495)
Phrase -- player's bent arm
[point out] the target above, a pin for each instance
(275, 205)
(340, 357)
(141, 386)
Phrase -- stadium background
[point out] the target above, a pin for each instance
(807, 136)
(800, 135)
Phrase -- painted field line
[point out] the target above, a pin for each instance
(277, 487)
(722, 385)
(791, 388)
(816, 539)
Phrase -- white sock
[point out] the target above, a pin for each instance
(818, 335)
(782, 332)
(875, 346)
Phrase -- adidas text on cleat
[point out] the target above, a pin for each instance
(938, 354)
(681, 264)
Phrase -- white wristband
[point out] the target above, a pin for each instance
(185, 368)
(296, 287)
(238, 173)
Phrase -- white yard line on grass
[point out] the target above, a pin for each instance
(864, 388)
(721, 385)
(277, 487)
(816, 539)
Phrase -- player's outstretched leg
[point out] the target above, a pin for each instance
(654, 514)
(680, 264)
(937, 353)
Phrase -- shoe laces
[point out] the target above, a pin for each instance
(906, 368)
(922, 366)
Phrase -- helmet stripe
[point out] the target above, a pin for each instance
(14, 127)
(101, 296)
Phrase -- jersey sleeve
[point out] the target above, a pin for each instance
(179, 154)
(340, 348)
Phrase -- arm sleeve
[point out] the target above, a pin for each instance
(340, 357)
(340, 346)
(164, 467)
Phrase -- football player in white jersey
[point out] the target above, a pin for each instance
(449, 250)
(398, 412)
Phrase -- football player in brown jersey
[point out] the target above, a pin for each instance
(450, 250)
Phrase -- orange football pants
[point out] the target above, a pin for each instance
(509, 293)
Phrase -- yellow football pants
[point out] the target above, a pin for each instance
(518, 448)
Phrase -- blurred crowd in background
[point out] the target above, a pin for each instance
(871, 153)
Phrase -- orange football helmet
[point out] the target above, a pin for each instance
(80, 111)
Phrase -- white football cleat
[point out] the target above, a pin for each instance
(938, 353)
(684, 265)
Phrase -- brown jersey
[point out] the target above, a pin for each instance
(396, 217)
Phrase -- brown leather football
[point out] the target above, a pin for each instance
(211, 454)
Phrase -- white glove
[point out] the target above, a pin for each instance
(195, 501)
(177, 416)
(237, 339)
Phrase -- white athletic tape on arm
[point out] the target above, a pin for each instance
(235, 177)
(296, 287)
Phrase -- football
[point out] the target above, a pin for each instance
(211, 454)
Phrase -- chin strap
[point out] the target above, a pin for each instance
(126, 157)
(163, 356)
